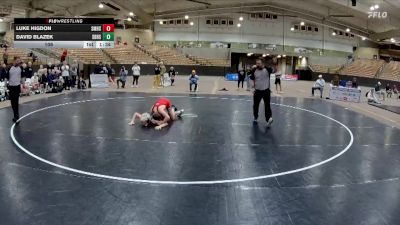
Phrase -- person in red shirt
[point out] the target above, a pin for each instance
(162, 112)
(64, 55)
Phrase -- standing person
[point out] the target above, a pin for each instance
(162, 72)
(5, 56)
(318, 85)
(389, 90)
(29, 70)
(4, 75)
(261, 83)
(354, 83)
(241, 77)
(122, 77)
(109, 73)
(249, 73)
(74, 73)
(172, 73)
(136, 74)
(193, 80)
(278, 75)
(64, 55)
(14, 86)
(157, 72)
(65, 75)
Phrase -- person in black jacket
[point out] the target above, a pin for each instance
(4, 74)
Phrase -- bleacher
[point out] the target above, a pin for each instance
(167, 55)
(391, 71)
(130, 55)
(363, 68)
(12, 52)
(324, 68)
(86, 55)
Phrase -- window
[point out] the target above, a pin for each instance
(340, 33)
(216, 22)
(309, 28)
(178, 21)
(260, 15)
(267, 16)
(352, 35)
(186, 22)
(208, 22)
(296, 27)
(230, 22)
(303, 28)
(275, 17)
(164, 22)
(316, 29)
(223, 22)
(172, 22)
(347, 34)
(253, 15)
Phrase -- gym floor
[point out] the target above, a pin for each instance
(74, 159)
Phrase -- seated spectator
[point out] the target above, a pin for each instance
(99, 68)
(395, 90)
(318, 85)
(354, 83)
(193, 80)
(123, 73)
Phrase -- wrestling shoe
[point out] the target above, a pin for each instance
(179, 113)
(269, 122)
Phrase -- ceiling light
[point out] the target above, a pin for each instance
(129, 19)
(376, 6)
(161, 22)
(1, 19)
(300, 57)
(302, 23)
(249, 54)
(348, 30)
(241, 18)
(292, 29)
(191, 23)
(392, 40)
(264, 55)
(267, 54)
(186, 17)
(279, 56)
(372, 8)
(101, 5)
(131, 14)
(363, 38)
(239, 25)
(284, 56)
(334, 33)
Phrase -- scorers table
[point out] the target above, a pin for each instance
(64, 32)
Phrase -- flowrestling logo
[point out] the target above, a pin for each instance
(377, 15)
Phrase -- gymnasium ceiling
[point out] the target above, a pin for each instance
(339, 14)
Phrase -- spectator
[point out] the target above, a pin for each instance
(157, 71)
(14, 86)
(249, 73)
(136, 74)
(29, 70)
(241, 77)
(354, 83)
(99, 68)
(378, 91)
(278, 75)
(4, 75)
(64, 55)
(395, 90)
(193, 80)
(74, 73)
(318, 85)
(172, 73)
(66, 76)
(162, 72)
(122, 77)
(389, 91)
(5, 56)
(108, 70)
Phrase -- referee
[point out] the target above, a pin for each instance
(261, 79)
(14, 86)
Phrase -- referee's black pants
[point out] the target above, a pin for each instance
(257, 97)
(14, 98)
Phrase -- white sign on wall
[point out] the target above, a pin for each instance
(377, 15)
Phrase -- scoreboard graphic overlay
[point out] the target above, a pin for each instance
(64, 33)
